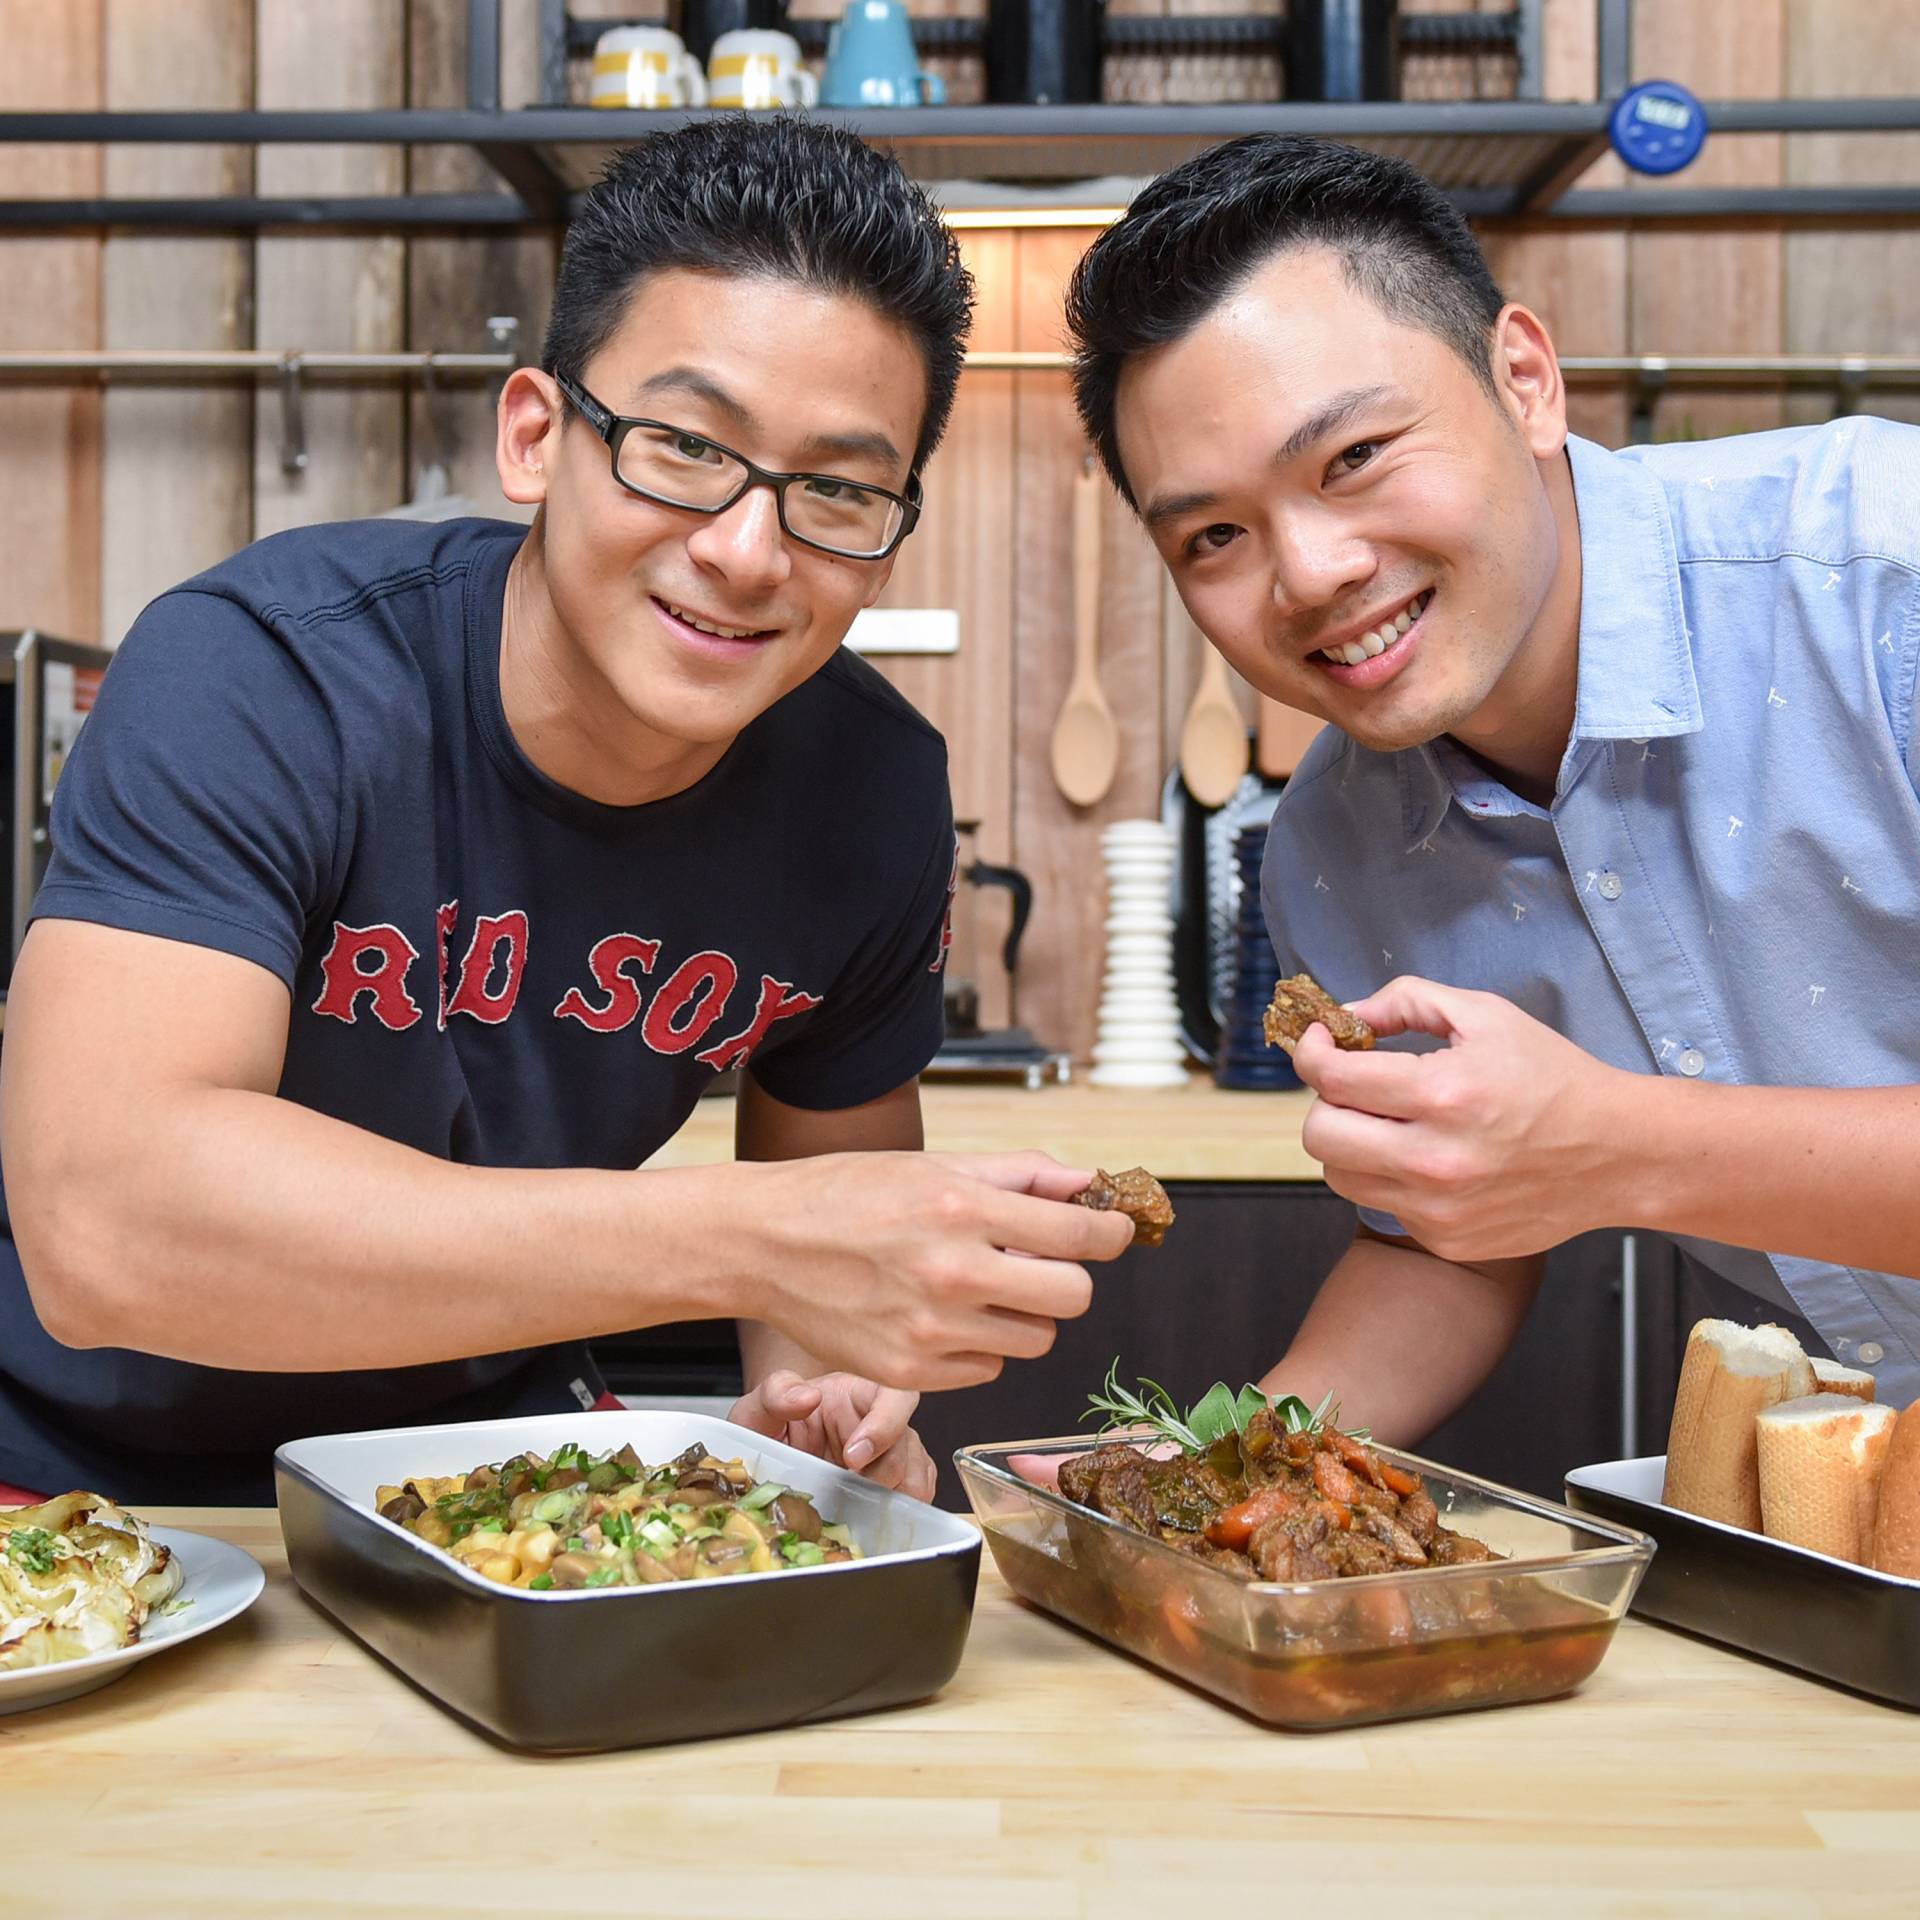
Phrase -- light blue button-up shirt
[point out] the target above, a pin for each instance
(1727, 884)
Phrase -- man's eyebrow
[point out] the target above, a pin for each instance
(820, 446)
(696, 386)
(1329, 419)
(852, 446)
(1175, 506)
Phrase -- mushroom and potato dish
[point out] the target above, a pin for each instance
(579, 1520)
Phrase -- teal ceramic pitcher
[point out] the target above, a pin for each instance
(871, 60)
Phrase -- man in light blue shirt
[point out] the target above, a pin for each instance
(1619, 795)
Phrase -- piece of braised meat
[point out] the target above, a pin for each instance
(1138, 1195)
(1298, 1003)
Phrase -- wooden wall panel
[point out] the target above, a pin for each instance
(1058, 844)
(1853, 289)
(1715, 291)
(346, 292)
(50, 297)
(455, 283)
(957, 557)
(178, 492)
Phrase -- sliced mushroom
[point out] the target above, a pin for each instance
(795, 1513)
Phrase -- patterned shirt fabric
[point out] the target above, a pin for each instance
(1727, 884)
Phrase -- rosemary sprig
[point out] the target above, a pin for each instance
(1218, 1412)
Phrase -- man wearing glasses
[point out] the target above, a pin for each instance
(412, 882)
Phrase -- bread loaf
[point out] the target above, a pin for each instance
(1730, 1373)
(1820, 1462)
(1829, 1376)
(1896, 1528)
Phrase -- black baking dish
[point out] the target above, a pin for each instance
(630, 1667)
(1821, 1616)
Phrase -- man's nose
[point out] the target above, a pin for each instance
(1315, 561)
(746, 542)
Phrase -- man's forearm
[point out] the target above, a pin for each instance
(1825, 1173)
(1401, 1338)
(240, 1230)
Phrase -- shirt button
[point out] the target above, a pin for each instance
(1692, 1062)
(1611, 886)
(1871, 1353)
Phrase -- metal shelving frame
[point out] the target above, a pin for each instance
(1498, 160)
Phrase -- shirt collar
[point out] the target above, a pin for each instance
(1636, 653)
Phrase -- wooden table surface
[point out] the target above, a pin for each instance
(1196, 1132)
(274, 1767)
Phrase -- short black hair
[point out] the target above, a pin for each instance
(767, 195)
(1196, 235)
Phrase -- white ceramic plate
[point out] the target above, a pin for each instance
(220, 1581)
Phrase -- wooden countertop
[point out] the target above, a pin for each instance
(275, 1767)
(1196, 1132)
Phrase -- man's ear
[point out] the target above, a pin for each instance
(1526, 373)
(529, 418)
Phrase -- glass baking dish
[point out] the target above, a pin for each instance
(1331, 1653)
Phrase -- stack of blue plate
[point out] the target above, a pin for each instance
(1244, 1059)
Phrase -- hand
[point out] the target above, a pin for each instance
(1505, 1143)
(845, 1419)
(920, 1270)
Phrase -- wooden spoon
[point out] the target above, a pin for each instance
(1213, 738)
(1086, 737)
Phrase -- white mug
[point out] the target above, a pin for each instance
(646, 67)
(758, 67)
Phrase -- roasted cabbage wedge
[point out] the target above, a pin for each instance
(78, 1576)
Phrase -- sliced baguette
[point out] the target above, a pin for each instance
(1896, 1527)
(1829, 1376)
(1730, 1373)
(1820, 1464)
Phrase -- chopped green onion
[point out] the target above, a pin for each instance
(615, 1527)
(659, 1533)
(806, 1553)
(31, 1548)
(576, 1543)
(764, 1495)
(551, 1508)
(540, 1583)
(602, 1577)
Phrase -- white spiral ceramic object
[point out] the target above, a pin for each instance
(1138, 1043)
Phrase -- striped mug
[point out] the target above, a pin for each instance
(757, 67)
(646, 67)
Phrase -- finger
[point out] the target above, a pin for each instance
(1349, 1142)
(1046, 1289)
(1039, 1469)
(882, 1427)
(1019, 1223)
(1412, 1005)
(785, 1394)
(1390, 1084)
(1032, 1172)
(750, 1411)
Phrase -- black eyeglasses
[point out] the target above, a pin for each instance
(674, 467)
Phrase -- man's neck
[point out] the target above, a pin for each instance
(1521, 732)
(566, 718)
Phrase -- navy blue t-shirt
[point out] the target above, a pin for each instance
(301, 757)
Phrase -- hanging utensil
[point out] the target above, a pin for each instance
(1214, 751)
(1086, 737)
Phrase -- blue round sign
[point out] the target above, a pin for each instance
(1657, 127)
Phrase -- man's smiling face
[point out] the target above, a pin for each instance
(1350, 516)
(796, 379)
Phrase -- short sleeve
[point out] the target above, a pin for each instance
(885, 1018)
(201, 801)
